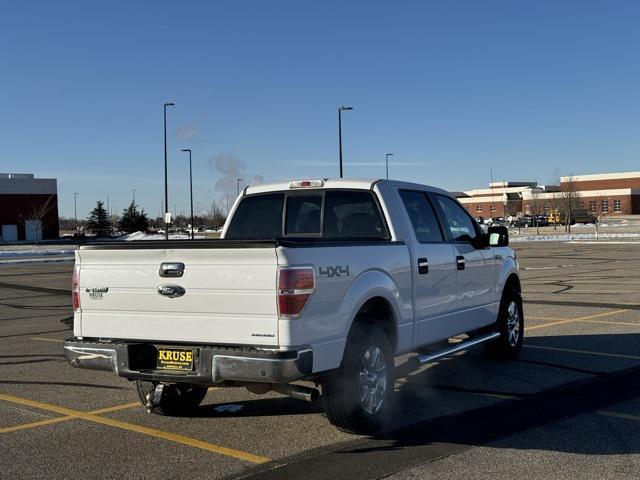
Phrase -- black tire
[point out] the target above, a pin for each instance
(350, 406)
(176, 400)
(510, 324)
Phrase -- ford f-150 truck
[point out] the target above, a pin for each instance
(319, 281)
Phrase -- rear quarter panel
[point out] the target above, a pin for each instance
(373, 271)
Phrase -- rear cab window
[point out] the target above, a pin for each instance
(327, 214)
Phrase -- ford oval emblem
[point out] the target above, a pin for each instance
(171, 291)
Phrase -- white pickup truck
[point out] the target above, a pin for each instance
(321, 281)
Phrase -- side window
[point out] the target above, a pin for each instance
(257, 217)
(352, 215)
(303, 215)
(460, 225)
(422, 216)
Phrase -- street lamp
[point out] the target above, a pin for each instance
(190, 188)
(386, 161)
(75, 210)
(238, 180)
(134, 196)
(166, 185)
(340, 109)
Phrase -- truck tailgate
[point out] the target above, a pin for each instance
(230, 295)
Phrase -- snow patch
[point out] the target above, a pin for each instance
(573, 236)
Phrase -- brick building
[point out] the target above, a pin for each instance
(501, 199)
(28, 207)
(606, 194)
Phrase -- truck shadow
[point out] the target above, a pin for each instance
(472, 400)
(557, 378)
(259, 407)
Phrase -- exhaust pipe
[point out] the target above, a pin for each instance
(298, 391)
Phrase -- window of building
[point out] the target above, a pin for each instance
(492, 208)
(617, 206)
(478, 208)
(592, 206)
(605, 206)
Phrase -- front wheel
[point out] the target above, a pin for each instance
(510, 324)
(176, 400)
(357, 396)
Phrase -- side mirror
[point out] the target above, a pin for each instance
(498, 236)
(481, 241)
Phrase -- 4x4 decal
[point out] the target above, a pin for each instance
(337, 271)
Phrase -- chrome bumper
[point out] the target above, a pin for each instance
(91, 357)
(215, 364)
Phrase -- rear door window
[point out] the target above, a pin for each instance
(352, 214)
(303, 215)
(258, 217)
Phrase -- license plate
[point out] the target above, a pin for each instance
(175, 358)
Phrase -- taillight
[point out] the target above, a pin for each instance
(75, 287)
(295, 286)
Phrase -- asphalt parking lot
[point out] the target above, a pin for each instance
(569, 407)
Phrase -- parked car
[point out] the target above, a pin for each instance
(317, 280)
(577, 216)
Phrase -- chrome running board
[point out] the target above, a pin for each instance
(464, 345)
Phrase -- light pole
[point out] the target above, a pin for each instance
(340, 110)
(190, 188)
(238, 180)
(134, 196)
(75, 210)
(108, 209)
(386, 161)
(166, 185)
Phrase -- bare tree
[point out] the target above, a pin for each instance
(37, 215)
(554, 206)
(599, 211)
(535, 207)
(569, 201)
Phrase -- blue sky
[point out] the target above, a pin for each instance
(532, 89)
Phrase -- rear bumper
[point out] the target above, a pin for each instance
(212, 365)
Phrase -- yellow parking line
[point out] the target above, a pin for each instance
(578, 319)
(626, 416)
(174, 437)
(66, 418)
(41, 423)
(42, 339)
(535, 327)
(115, 408)
(534, 317)
(585, 352)
(612, 323)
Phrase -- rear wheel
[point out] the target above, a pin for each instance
(357, 396)
(510, 324)
(176, 400)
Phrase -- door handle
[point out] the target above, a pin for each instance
(460, 262)
(423, 266)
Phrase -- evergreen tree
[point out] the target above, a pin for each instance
(98, 221)
(133, 220)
